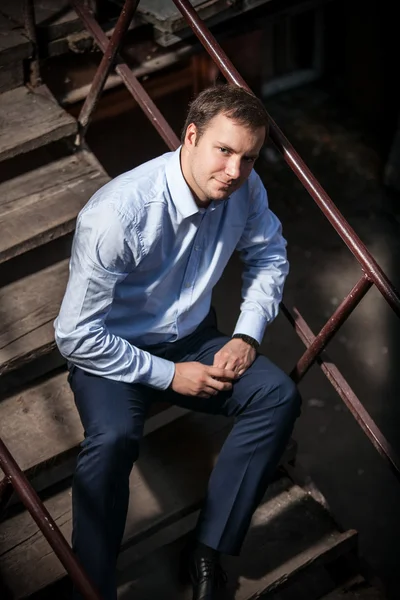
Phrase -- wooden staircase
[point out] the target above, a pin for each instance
(294, 548)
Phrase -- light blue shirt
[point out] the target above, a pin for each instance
(144, 261)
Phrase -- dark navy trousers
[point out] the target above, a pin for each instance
(264, 403)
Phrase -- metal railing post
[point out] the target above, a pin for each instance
(46, 524)
(331, 327)
(350, 399)
(303, 173)
(105, 65)
(6, 491)
(137, 91)
(28, 10)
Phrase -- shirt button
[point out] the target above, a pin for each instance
(188, 285)
(197, 248)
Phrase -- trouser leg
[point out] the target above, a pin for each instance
(112, 414)
(265, 404)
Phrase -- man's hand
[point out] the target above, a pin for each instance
(236, 356)
(196, 379)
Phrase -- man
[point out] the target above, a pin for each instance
(136, 326)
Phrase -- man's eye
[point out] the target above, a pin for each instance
(224, 150)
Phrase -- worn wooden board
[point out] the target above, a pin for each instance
(43, 204)
(29, 120)
(289, 534)
(28, 308)
(166, 584)
(41, 422)
(11, 76)
(14, 45)
(357, 589)
(41, 426)
(56, 17)
(167, 18)
(169, 480)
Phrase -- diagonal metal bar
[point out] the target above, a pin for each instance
(137, 91)
(46, 523)
(348, 396)
(331, 327)
(28, 12)
(105, 65)
(303, 173)
(6, 491)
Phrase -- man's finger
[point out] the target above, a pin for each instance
(219, 385)
(220, 364)
(217, 372)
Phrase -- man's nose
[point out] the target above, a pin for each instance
(232, 168)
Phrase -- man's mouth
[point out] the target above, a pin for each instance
(225, 183)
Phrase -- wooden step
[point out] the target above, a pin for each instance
(55, 17)
(290, 534)
(29, 120)
(14, 44)
(14, 48)
(43, 204)
(28, 308)
(168, 482)
(356, 589)
(41, 427)
(290, 530)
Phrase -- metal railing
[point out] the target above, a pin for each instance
(315, 344)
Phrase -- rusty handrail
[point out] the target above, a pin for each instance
(296, 163)
(45, 522)
(331, 327)
(348, 396)
(137, 91)
(6, 491)
(28, 13)
(105, 65)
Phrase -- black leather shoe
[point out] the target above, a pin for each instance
(205, 573)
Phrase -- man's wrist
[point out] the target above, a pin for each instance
(248, 339)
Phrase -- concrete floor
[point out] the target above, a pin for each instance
(357, 483)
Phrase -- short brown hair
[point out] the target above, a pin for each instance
(233, 101)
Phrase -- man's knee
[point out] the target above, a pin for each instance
(281, 394)
(290, 395)
(115, 446)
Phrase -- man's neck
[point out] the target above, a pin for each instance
(189, 181)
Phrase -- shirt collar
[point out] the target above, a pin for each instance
(179, 190)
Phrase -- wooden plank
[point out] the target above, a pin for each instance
(357, 589)
(257, 572)
(29, 120)
(169, 480)
(14, 45)
(55, 17)
(28, 308)
(43, 204)
(41, 422)
(326, 550)
(165, 562)
(11, 76)
(40, 426)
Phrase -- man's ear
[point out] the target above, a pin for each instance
(191, 135)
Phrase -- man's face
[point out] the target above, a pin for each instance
(219, 162)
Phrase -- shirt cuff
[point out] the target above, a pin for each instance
(161, 373)
(252, 324)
